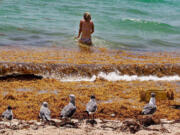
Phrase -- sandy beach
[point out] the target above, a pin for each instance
(103, 127)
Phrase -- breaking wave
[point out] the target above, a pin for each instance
(91, 72)
(113, 76)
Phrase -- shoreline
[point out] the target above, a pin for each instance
(84, 55)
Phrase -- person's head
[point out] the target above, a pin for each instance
(87, 16)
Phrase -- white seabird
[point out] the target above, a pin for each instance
(69, 109)
(91, 106)
(8, 114)
(150, 108)
(45, 113)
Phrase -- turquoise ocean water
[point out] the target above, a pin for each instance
(145, 25)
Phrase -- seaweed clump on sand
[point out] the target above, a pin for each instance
(116, 100)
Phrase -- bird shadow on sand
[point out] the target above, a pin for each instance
(175, 107)
(64, 123)
(91, 122)
(69, 124)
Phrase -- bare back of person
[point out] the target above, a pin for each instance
(86, 28)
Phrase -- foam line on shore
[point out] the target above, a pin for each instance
(92, 72)
(78, 79)
(115, 76)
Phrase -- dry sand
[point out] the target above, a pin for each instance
(105, 127)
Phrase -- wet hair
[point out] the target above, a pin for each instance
(87, 16)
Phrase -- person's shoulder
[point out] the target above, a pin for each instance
(91, 22)
(81, 21)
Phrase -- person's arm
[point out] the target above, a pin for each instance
(80, 29)
(92, 28)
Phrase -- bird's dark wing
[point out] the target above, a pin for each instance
(68, 110)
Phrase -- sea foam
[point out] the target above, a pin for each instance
(116, 76)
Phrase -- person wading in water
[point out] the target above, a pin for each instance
(86, 28)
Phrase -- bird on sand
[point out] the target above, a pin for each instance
(91, 106)
(69, 109)
(45, 113)
(8, 114)
(151, 107)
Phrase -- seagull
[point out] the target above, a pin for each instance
(8, 114)
(151, 107)
(91, 106)
(69, 109)
(45, 113)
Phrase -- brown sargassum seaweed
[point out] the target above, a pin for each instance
(63, 70)
(121, 98)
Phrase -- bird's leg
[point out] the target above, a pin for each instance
(87, 121)
(65, 120)
(93, 116)
(69, 120)
(88, 116)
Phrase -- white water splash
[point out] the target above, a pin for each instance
(113, 76)
(78, 79)
(116, 76)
